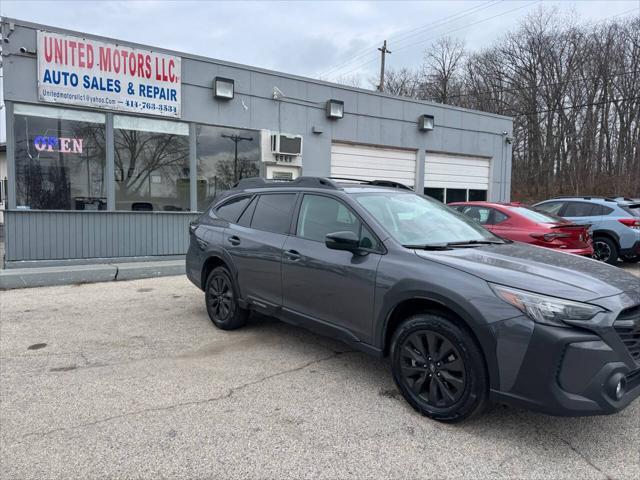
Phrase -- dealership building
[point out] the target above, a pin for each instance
(112, 148)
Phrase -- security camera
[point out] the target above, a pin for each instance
(277, 93)
(23, 50)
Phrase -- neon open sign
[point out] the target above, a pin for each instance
(57, 144)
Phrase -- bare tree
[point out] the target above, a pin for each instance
(573, 91)
(441, 70)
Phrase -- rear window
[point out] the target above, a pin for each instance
(633, 209)
(231, 210)
(536, 215)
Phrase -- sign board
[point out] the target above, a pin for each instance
(80, 71)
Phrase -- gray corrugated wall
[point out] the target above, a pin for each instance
(58, 235)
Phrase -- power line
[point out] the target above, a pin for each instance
(450, 31)
(368, 51)
(481, 21)
(474, 23)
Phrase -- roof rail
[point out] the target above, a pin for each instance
(379, 183)
(311, 182)
(588, 197)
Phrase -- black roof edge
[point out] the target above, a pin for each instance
(585, 197)
(309, 182)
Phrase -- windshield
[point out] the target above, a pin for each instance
(415, 220)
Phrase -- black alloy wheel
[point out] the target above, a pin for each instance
(433, 368)
(220, 297)
(439, 368)
(221, 301)
(605, 250)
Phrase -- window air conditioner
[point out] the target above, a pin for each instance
(282, 144)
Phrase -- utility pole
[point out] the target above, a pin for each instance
(236, 139)
(383, 51)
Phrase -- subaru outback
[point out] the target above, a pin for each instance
(466, 318)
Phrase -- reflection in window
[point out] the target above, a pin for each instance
(60, 159)
(437, 193)
(224, 156)
(151, 164)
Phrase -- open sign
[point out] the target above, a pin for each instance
(44, 143)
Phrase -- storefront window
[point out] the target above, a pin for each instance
(60, 158)
(225, 156)
(151, 164)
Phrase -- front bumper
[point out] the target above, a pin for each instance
(563, 371)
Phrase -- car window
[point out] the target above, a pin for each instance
(231, 210)
(247, 215)
(551, 207)
(602, 210)
(481, 215)
(320, 215)
(498, 217)
(579, 209)
(273, 212)
(633, 209)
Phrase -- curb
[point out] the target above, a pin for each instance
(73, 275)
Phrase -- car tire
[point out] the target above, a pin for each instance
(439, 368)
(221, 298)
(605, 250)
(630, 258)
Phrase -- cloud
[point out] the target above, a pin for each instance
(305, 38)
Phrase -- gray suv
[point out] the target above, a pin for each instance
(615, 224)
(465, 317)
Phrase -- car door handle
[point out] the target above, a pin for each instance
(292, 255)
(233, 240)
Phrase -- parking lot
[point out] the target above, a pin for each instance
(130, 379)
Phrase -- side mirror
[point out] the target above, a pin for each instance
(348, 241)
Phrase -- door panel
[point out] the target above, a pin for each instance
(330, 285)
(258, 259)
(257, 250)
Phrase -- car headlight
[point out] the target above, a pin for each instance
(543, 309)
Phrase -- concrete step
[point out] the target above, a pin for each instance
(91, 273)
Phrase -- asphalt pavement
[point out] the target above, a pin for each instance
(131, 380)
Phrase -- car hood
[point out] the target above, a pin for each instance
(539, 270)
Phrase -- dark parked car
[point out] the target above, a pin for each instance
(524, 224)
(465, 317)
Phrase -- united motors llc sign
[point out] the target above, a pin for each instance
(85, 72)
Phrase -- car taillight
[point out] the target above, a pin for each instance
(550, 237)
(630, 222)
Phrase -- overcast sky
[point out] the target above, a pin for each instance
(328, 39)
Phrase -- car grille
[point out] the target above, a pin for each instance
(627, 325)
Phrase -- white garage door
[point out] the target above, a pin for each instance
(453, 178)
(373, 163)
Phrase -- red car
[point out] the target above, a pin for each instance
(525, 224)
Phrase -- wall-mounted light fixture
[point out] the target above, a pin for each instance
(335, 109)
(425, 123)
(223, 88)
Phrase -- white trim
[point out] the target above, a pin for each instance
(143, 124)
(59, 113)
